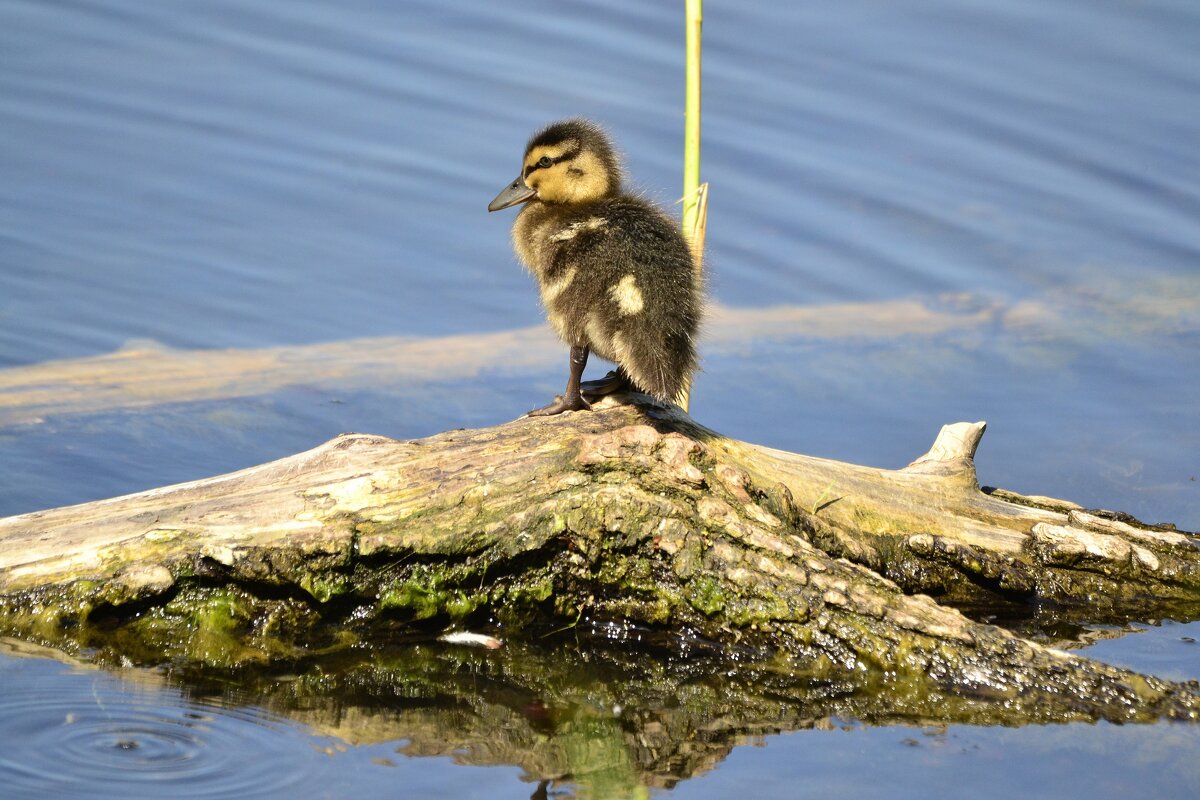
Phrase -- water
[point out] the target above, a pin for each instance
(337, 730)
(225, 178)
(73, 732)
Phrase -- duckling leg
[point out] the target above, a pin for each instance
(615, 381)
(571, 400)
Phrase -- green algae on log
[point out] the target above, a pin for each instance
(633, 514)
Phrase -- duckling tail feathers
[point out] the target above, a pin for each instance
(660, 367)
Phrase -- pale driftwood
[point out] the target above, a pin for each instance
(145, 373)
(953, 452)
(632, 514)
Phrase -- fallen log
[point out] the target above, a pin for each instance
(146, 373)
(633, 517)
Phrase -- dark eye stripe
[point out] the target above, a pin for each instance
(567, 156)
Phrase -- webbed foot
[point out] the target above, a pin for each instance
(615, 381)
(561, 404)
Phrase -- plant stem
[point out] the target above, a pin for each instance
(693, 209)
(691, 136)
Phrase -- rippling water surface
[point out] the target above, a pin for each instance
(75, 732)
(81, 733)
(1008, 194)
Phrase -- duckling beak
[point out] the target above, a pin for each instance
(516, 192)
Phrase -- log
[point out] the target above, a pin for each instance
(146, 373)
(631, 518)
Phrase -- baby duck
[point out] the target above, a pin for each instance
(615, 274)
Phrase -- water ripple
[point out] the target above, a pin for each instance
(99, 736)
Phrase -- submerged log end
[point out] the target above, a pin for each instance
(952, 453)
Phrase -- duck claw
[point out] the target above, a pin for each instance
(561, 404)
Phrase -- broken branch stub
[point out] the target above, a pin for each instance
(953, 452)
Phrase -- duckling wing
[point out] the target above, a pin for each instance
(622, 281)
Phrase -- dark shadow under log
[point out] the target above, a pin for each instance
(806, 571)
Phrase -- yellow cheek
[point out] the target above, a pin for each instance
(549, 185)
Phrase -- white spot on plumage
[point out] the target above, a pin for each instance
(627, 295)
(575, 228)
(554, 288)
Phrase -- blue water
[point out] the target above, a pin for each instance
(246, 174)
(72, 732)
(78, 733)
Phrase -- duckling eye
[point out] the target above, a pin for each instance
(544, 162)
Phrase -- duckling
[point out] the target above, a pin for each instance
(615, 274)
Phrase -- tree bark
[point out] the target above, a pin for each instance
(630, 518)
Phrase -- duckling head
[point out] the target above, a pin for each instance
(569, 162)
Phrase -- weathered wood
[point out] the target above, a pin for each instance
(146, 374)
(633, 514)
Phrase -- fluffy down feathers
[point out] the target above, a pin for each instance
(614, 272)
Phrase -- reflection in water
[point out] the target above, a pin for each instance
(596, 749)
(78, 733)
(573, 720)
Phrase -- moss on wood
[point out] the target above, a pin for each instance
(631, 515)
